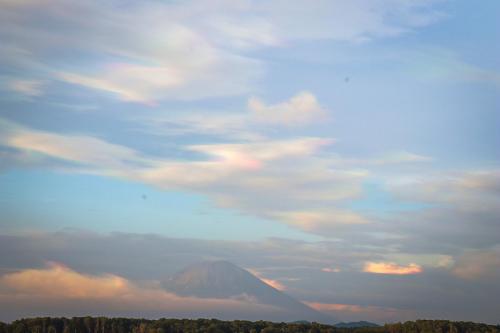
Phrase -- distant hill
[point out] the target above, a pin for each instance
(223, 280)
(356, 324)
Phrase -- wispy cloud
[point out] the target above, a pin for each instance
(295, 181)
(186, 50)
(252, 177)
(443, 65)
(89, 150)
(30, 88)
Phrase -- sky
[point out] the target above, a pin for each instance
(346, 152)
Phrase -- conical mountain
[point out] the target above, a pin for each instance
(224, 280)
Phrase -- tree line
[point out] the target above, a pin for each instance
(126, 325)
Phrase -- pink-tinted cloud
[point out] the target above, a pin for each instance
(272, 282)
(70, 284)
(391, 268)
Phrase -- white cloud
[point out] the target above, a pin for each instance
(280, 180)
(252, 124)
(300, 109)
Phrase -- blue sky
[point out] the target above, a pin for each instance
(370, 126)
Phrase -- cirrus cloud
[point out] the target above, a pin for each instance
(149, 51)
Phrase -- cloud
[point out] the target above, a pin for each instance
(257, 178)
(352, 312)
(164, 56)
(150, 84)
(294, 181)
(253, 124)
(354, 21)
(444, 65)
(262, 151)
(330, 270)
(272, 282)
(148, 52)
(273, 179)
(478, 264)
(82, 149)
(391, 268)
(458, 210)
(81, 251)
(321, 221)
(130, 83)
(61, 290)
(474, 189)
(301, 109)
(401, 157)
(223, 161)
(70, 284)
(30, 88)
(296, 264)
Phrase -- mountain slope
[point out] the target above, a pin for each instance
(223, 280)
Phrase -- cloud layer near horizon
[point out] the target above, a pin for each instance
(53, 289)
(104, 277)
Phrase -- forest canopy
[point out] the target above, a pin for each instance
(126, 325)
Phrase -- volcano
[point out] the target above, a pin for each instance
(224, 280)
